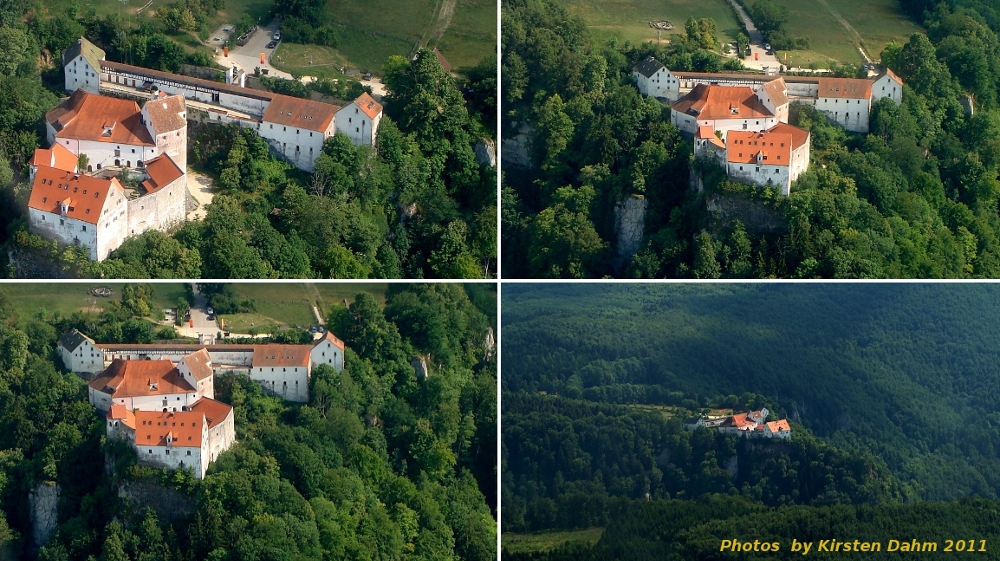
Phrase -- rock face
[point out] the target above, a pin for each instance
(486, 152)
(514, 150)
(44, 501)
(419, 365)
(630, 223)
(756, 217)
(490, 343)
(733, 466)
(168, 504)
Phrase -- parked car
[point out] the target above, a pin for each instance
(312, 329)
(277, 36)
(368, 75)
(211, 318)
(272, 44)
(228, 29)
(210, 311)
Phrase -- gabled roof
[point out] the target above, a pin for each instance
(799, 136)
(119, 412)
(739, 421)
(302, 113)
(199, 363)
(281, 355)
(137, 378)
(721, 102)
(189, 80)
(850, 88)
(705, 132)
(781, 425)
(215, 411)
(58, 157)
(162, 171)
(166, 114)
(98, 118)
(743, 147)
(368, 105)
(648, 66)
(82, 194)
(73, 339)
(91, 52)
(184, 428)
(442, 61)
(886, 71)
(777, 91)
(331, 338)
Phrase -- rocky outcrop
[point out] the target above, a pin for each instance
(44, 502)
(733, 466)
(419, 365)
(490, 343)
(486, 152)
(515, 150)
(630, 223)
(756, 217)
(168, 504)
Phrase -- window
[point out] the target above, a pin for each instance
(189, 453)
(85, 228)
(119, 152)
(61, 221)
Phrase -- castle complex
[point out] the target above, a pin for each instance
(752, 424)
(78, 196)
(766, 150)
(160, 397)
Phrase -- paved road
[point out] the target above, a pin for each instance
(763, 60)
(247, 57)
(202, 325)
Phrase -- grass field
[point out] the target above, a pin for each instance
(289, 304)
(541, 541)
(835, 27)
(629, 19)
(67, 298)
(309, 60)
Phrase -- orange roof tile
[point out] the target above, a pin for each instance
(121, 413)
(136, 378)
(781, 425)
(851, 88)
(58, 157)
(167, 113)
(162, 171)
(215, 411)
(331, 338)
(281, 355)
(775, 145)
(83, 195)
(777, 91)
(721, 102)
(368, 105)
(442, 61)
(705, 132)
(184, 428)
(302, 113)
(98, 118)
(888, 72)
(200, 364)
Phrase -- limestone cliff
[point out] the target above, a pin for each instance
(630, 224)
(44, 503)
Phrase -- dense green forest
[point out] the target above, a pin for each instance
(417, 205)
(377, 466)
(917, 197)
(891, 391)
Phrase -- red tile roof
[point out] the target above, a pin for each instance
(167, 113)
(58, 157)
(98, 118)
(368, 105)
(121, 413)
(302, 113)
(706, 132)
(851, 88)
(331, 338)
(162, 171)
(777, 91)
(888, 71)
(215, 411)
(442, 61)
(742, 147)
(281, 355)
(721, 102)
(82, 194)
(781, 425)
(200, 364)
(136, 378)
(184, 428)
(799, 136)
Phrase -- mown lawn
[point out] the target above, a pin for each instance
(629, 19)
(29, 299)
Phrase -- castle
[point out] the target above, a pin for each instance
(752, 424)
(767, 150)
(161, 397)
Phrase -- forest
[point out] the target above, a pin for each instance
(377, 466)
(914, 198)
(891, 391)
(416, 205)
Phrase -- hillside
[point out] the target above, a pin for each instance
(906, 372)
(892, 392)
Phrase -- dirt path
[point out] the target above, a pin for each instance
(200, 187)
(443, 12)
